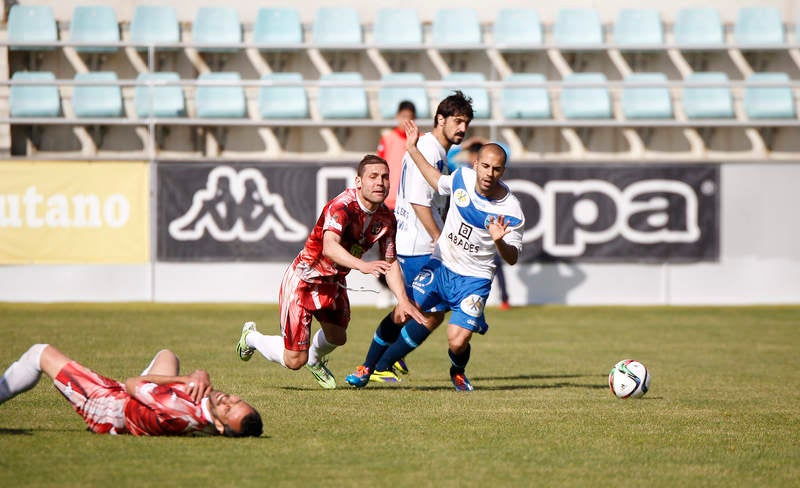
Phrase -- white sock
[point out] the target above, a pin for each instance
(23, 374)
(320, 347)
(271, 347)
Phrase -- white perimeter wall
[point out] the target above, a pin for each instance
(759, 264)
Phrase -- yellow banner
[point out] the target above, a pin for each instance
(74, 212)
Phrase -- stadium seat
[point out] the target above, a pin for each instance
(712, 102)
(154, 24)
(275, 25)
(761, 26)
(578, 26)
(95, 24)
(389, 97)
(34, 101)
(343, 102)
(216, 25)
(220, 100)
(397, 27)
(700, 26)
(456, 27)
(97, 100)
(159, 100)
(517, 27)
(282, 102)
(31, 23)
(525, 102)
(336, 25)
(481, 105)
(638, 27)
(639, 102)
(586, 103)
(766, 102)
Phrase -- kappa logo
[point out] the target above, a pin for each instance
(237, 205)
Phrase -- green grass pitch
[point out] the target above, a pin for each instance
(723, 409)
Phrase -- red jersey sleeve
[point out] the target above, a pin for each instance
(164, 410)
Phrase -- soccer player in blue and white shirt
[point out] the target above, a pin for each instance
(419, 210)
(484, 219)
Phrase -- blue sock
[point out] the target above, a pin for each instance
(412, 335)
(386, 333)
(459, 361)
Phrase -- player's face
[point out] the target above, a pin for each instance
(373, 185)
(489, 169)
(228, 410)
(455, 128)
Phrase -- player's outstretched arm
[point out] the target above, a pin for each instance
(498, 228)
(333, 250)
(430, 173)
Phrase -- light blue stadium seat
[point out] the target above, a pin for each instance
(758, 26)
(766, 102)
(456, 27)
(481, 105)
(586, 103)
(638, 27)
(518, 27)
(389, 97)
(343, 102)
(220, 100)
(282, 102)
(700, 26)
(640, 102)
(336, 25)
(34, 101)
(95, 24)
(525, 102)
(712, 102)
(278, 25)
(578, 26)
(31, 23)
(160, 100)
(397, 27)
(97, 100)
(216, 25)
(154, 24)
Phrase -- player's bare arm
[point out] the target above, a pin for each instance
(498, 228)
(405, 308)
(198, 383)
(430, 173)
(425, 216)
(333, 250)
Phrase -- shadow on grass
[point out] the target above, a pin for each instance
(514, 387)
(4, 431)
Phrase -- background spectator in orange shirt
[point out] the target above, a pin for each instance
(392, 147)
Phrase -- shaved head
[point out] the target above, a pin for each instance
(492, 150)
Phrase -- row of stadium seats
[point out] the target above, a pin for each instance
(343, 96)
(218, 29)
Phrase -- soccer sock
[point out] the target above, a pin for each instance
(320, 347)
(459, 361)
(271, 347)
(412, 335)
(23, 374)
(386, 333)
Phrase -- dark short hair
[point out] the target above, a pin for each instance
(455, 104)
(407, 105)
(370, 159)
(251, 426)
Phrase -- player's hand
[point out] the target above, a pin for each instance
(375, 268)
(406, 309)
(498, 227)
(412, 134)
(198, 385)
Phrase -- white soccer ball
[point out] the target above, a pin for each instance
(629, 379)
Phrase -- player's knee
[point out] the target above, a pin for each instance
(295, 363)
(458, 344)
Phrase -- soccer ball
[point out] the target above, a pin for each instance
(629, 379)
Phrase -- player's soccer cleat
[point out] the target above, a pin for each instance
(461, 382)
(244, 351)
(400, 366)
(384, 377)
(360, 378)
(322, 374)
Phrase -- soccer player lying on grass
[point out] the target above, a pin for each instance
(159, 402)
(484, 219)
